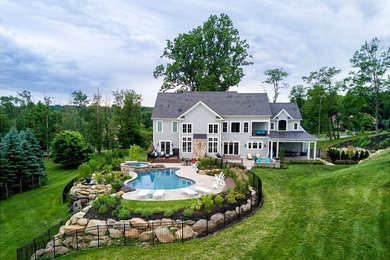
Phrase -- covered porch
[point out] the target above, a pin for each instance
(302, 147)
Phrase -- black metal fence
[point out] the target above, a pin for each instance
(66, 189)
(147, 233)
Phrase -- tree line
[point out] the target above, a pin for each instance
(104, 125)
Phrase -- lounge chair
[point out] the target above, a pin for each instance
(189, 192)
(218, 184)
(250, 156)
(143, 193)
(267, 160)
(221, 176)
(203, 189)
(259, 160)
(158, 193)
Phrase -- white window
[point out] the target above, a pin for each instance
(235, 127)
(224, 127)
(186, 144)
(159, 126)
(187, 128)
(174, 127)
(246, 127)
(212, 144)
(255, 145)
(213, 128)
(295, 126)
(272, 126)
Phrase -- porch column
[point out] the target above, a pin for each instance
(315, 150)
(277, 149)
(272, 147)
(308, 150)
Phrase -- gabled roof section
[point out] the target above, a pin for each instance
(172, 105)
(291, 108)
(197, 104)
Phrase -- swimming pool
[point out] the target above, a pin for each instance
(160, 179)
(136, 164)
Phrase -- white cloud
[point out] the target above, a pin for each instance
(54, 49)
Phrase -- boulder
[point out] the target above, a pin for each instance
(189, 222)
(132, 233)
(82, 221)
(94, 243)
(187, 231)
(119, 224)
(200, 225)
(146, 236)
(67, 241)
(138, 222)
(245, 208)
(120, 193)
(62, 250)
(110, 222)
(91, 196)
(230, 214)
(71, 229)
(38, 254)
(115, 233)
(164, 235)
(166, 222)
(154, 223)
(93, 229)
(217, 218)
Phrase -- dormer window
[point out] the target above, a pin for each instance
(295, 126)
(272, 126)
(282, 125)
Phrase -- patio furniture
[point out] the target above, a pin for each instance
(221, 176)
(261, 132)
(267, 160)
(218, 184)
(158, 193)
(250, 156)
(189, 192)
(203, 189)
(142, 193)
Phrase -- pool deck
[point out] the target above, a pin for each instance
(177, 194)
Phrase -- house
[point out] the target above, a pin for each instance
(232, 124)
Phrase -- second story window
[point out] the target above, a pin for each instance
(174, 127)
(246, 127)
(187, 128)
(282, 125)
(159, 126)
(224, 127)
(295, 126)
(213, 128)
(272, 126)
(235, 127)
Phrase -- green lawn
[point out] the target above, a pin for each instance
(26, 215)
(310, 211)
(326, 144)
(156, 206)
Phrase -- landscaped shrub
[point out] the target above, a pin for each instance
(319, 162)
(207, 163)
(85, 171)
(70, 149)
(218, 200)
(145, 212)
(168, 212)
(103, 209)
(343, 156)
(208, 202)
(116, 184)
(124, 213)
(136, 153)
(188, 212)
(196, 205)
(231, 199)
(104, 202)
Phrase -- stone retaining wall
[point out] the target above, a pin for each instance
(80, 194)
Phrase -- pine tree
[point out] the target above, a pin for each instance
(31, 164)
(30, 138)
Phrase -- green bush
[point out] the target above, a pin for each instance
(124, 213)
(136, 153)
(242, 187)
(218, 200)
(384, 143)
(208, 202)
(103, 209)
(188, 212)
(205, 163)
(168, 212)
(116, 184)
(230, 198)
(70, 149)
(85, 171)
(105, 200)
(196, 205)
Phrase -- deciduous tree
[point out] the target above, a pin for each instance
(275, 78)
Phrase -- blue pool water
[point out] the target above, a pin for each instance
(160, 179)
(137, 164)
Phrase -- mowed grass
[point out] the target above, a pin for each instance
(26, 215)
(156, 206)
(310, 212)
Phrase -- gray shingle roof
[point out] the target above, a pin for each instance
(172, 105)
(297, 135)
(291, 108)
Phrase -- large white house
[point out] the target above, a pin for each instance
(198, 124)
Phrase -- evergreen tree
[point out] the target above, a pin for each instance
(30, 138)
(31, 164)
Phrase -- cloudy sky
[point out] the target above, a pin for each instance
(55, 47)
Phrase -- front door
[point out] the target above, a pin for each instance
(166, 147)
(231, 148)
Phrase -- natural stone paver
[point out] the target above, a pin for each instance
(164, 235)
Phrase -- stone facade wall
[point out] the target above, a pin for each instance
(200, 148)
(80, 194)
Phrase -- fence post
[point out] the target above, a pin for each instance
(77, 241)
(152, 234)
(39, 181)
(48, 234)
(98, 235)
(207, 224)
(182, 231)
(20, 183)
(124, 234)
(6, 189)
(35, 250)
(224, 216)
(251, 202)
(32, 177)
(54, 247)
